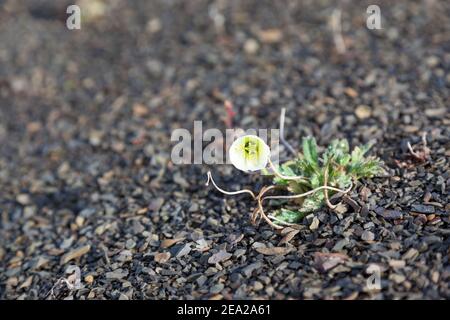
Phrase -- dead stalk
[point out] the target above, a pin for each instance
(283, 222)
(411, 150)
(336, 27)
(259, 211)
(279, 175)
(231, 193)
(301, 195)
(282, 137)
(325, 191)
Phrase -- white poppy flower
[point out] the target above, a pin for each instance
(249, 153)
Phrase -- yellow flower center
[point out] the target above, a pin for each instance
(251, 148)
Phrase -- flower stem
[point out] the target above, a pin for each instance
(282, 138)
(301, 195)
(231, 193)
(282, 176)
(325, 191)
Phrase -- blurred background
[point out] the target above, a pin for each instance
(86, 117)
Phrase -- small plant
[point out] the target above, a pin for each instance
(309, 179)
(336, 168)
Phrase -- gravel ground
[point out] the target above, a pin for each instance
(85, 171)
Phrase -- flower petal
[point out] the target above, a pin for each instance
(249, 153)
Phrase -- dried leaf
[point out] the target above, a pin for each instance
(27, 283)
(327, 261)
(271, 251)
(75, 254)
(270, 35)
(310, 151)
(288, 237)
(162, 257)
(170, 242)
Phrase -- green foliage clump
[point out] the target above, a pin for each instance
(336, 167)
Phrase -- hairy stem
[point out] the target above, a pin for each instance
(301, 195)
(282, 222)
(282, 138)
(282, 176)
(325, 191)
(261, 209)
(231, 193)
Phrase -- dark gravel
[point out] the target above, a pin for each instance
(85, 171)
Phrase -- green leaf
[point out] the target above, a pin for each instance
(286, 169)
(310, 151)
(357, 155)
(367, 168)
(305, 167)
(344, 159)
(313, 203)
(361, 167)
(342, 146)
(337, 150)
(298, 187)
(342, 181)
(341, 166)
(280, 182)
(289, 215)
(359, 152)
(315, 181)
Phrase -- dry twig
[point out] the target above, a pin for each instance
(282, 137)
(336, 27)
